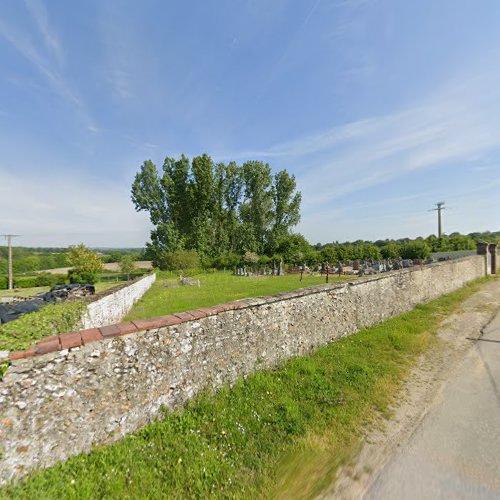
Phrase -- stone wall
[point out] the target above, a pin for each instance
(113, 307)
(94, 386)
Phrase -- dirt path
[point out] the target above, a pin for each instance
(387, 466)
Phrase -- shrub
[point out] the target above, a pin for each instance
(25, 282)
(264, 260)
(86, 265)
(390, 251)
(250, 258)
(180, 260)
(127, 265)
(415, 250)
(82, 277)
(46, 279)
(226, 260)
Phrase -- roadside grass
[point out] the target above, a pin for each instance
(166, 296)
(50, 320)
(276, 434)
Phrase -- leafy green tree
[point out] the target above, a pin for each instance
(86, 264)
(286, 203)
(127, 265)
(390, 251)
(329, 253)
(256, 210)
(215, 209)
(250, 258)
(294, 248)
(415, 250)
(180, 260)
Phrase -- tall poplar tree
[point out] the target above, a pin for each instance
(216, 208)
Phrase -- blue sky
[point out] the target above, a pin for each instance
(379, 107)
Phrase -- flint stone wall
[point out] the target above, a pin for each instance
(112, 308)
(56, 405)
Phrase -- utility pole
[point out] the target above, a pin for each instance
(439, 207)
(9, 237)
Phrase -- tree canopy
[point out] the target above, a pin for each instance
(216, 208)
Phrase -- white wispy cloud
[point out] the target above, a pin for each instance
(47, 62)
(39, 13)
(456, 123)
(84, 210)
(120, 50)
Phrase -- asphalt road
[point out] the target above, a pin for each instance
(455, 452)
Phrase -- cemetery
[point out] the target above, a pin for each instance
(123, 373)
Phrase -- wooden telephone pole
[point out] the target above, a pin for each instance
(9, 237)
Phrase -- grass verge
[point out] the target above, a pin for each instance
(279, 434)
(166, 296)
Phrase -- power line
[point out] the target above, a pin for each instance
(439, 208)
(9, 237)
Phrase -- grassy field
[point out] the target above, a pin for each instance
(166, 296)
(276, 434)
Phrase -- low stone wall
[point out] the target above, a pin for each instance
(100, 384)
(113, 307)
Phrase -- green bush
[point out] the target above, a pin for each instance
(226, 261)
(390, 251)
(177, 261)
(25, 282)
(82, 277)
(415, 250)
(46, 279)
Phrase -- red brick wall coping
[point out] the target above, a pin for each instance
(84, 337)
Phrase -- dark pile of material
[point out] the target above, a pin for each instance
(12, 311)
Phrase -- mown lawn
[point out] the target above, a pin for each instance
(167, 296)
(276, 434)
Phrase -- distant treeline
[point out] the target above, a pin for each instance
(27, 260)
(293, 249)
(296, 250)
(406, 248)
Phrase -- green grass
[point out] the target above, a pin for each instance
(166, 296)
(30, 328)
(24, 292)
(50, 320)
(276, 434)
(29, 292)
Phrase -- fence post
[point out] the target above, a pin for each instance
(482, 249)
(492, 247)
